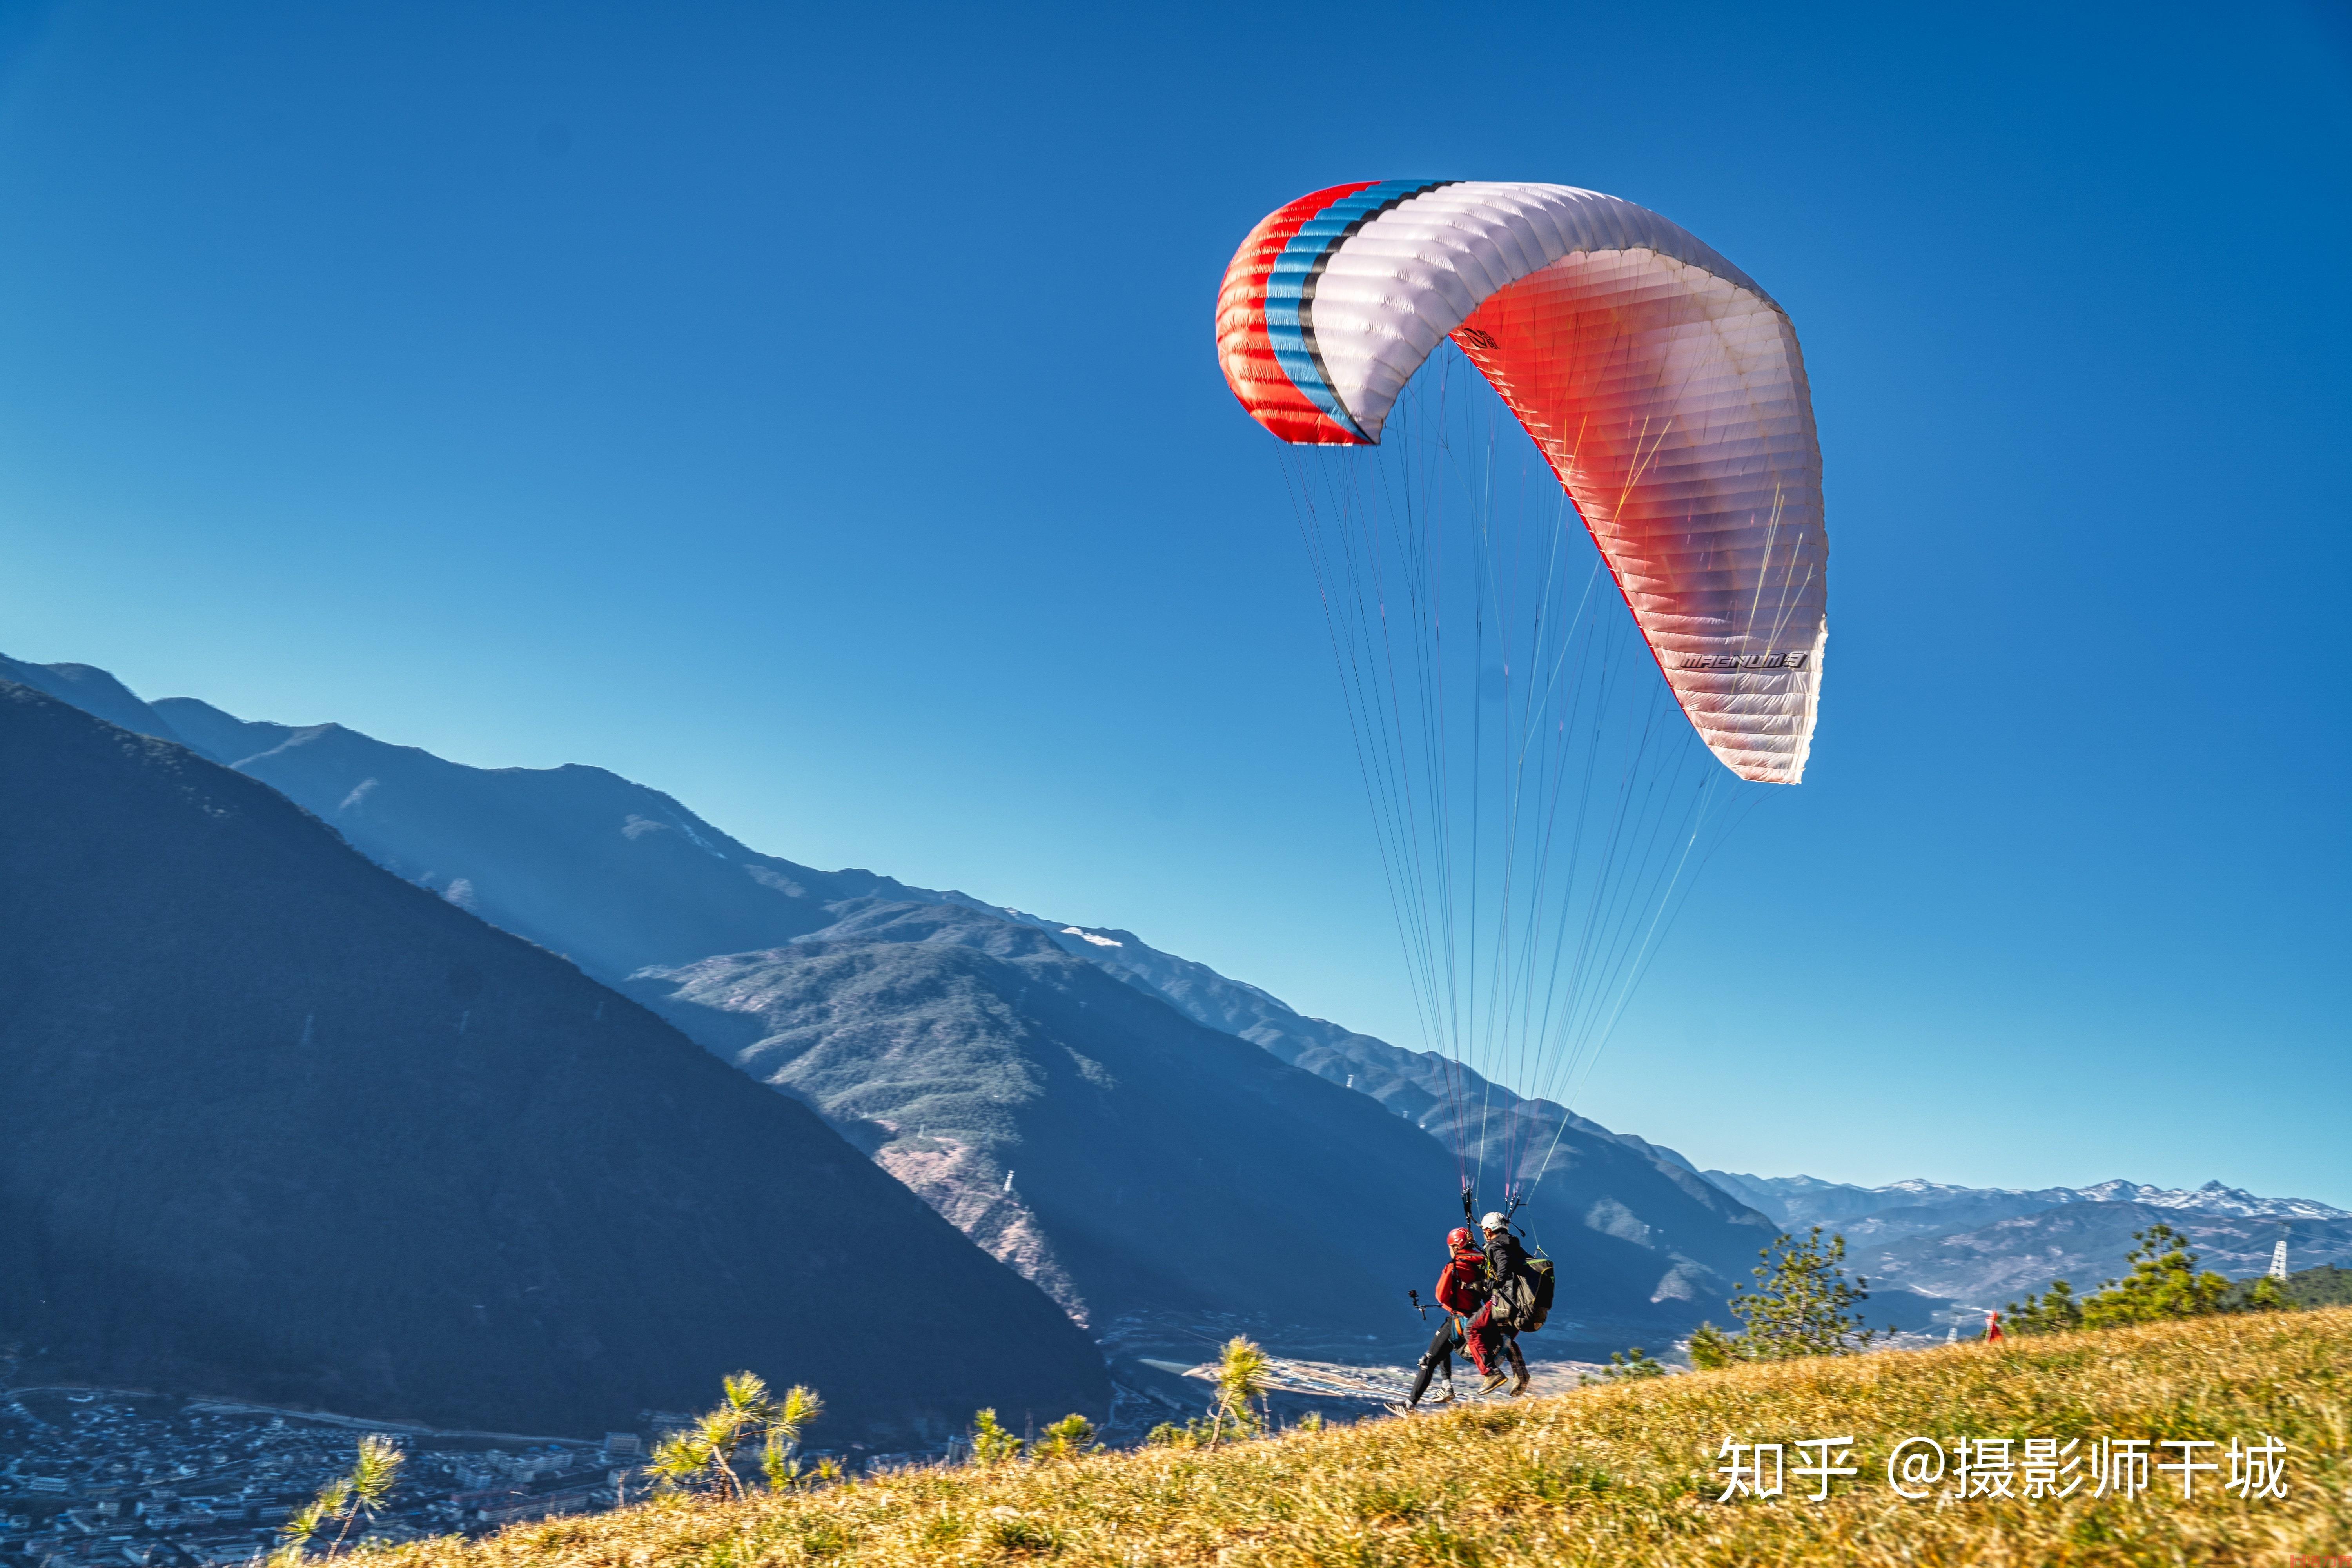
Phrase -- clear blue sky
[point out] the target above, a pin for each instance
(814, 414)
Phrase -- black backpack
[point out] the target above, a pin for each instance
(1540, 1271)
(1523, 1298)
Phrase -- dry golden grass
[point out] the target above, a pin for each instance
(1618, 1475)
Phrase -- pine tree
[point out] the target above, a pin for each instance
(1067, 1438)
(992, 1442)
(2163, 1283)
(747, 1412)
(786, 1420)
(2054, 1312)
(1797, 1309)
(364, 1490)
(1710, 1348)
(1241, 1378)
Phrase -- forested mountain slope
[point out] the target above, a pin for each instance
(622, 877)
(1125, 1157)
(279, 1125)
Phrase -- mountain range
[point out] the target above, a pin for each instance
(1117, 1152)
(643, 894)
(281, 1126)
(1043, 1084)
(1986, 1245)
(1808, 1200)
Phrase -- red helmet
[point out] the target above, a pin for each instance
(1460, 1239)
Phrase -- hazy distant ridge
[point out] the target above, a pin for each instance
(1808, 1200)
(1987, 1244)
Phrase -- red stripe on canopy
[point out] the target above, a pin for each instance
(1244, 349)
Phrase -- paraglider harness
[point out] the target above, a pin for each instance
(1521, 1296)
(1518, 1288)
(1461, 1298)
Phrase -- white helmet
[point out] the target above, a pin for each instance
(1493, 1221)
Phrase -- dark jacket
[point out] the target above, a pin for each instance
(1510, 1284)
(1505, 1259)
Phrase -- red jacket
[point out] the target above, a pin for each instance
(1462, 1287)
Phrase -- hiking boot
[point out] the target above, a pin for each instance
(1521, 1385)
(1494, 1379)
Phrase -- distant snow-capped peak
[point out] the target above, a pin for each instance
(2211, 1198)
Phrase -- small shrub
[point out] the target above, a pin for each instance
(1241, 1371)
(993, 1443)
(373, 1473)
(1067, 1438)
(1018, 1535)
(1628, 1365)
(1198, 1433)
(1387, 1501)
(944, 1528)
(705, 1452)
(823, 1540)
(1710, 1348)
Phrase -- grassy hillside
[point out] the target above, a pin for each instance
(1612, 1475)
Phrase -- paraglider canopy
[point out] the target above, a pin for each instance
(1664, 387)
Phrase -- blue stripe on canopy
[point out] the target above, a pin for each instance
(1290, 288)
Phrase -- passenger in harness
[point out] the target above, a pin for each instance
(1461, 1292)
